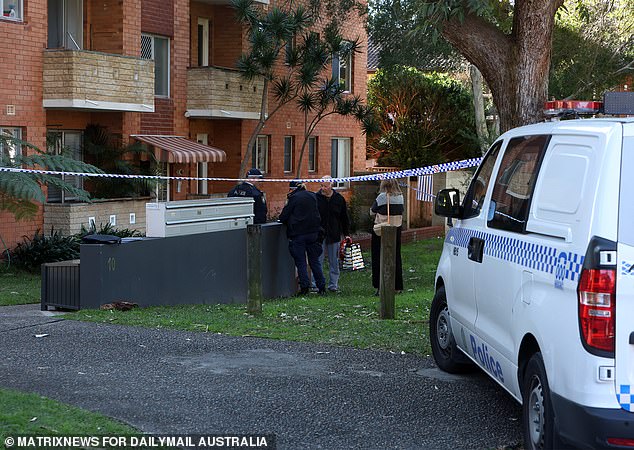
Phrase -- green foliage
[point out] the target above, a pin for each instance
(593, 48)
(106, 151)
(107, 228)
(21, 192)
(42, 248)
(425, 118)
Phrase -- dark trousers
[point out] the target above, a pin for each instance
(300, 247)
(376, 261)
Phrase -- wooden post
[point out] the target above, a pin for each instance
(388, 271)
(254, 269)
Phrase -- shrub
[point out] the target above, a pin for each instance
(33, 252)
(107, 228)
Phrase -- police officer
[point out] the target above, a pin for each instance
(250, 189)
(303, 228)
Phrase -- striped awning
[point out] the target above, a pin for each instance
(177, 149)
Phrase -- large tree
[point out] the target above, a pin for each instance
(510, 43)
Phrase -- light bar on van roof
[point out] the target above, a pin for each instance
(621, 103)
(557, 107)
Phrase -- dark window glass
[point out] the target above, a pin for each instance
(515, 183)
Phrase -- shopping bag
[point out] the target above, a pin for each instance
(352, 257)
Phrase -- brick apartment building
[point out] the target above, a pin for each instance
(148, 68)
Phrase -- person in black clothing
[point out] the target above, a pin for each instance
(303, 224)
(335, 222)
(250, 189)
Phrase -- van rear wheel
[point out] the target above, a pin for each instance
(443, 345)
(538, 421)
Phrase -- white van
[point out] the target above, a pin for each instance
(536, 280)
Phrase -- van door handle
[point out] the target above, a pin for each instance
(632, 338)
(475, 249)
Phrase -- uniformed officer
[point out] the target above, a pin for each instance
(250, 189)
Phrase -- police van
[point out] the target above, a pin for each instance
(535, 284)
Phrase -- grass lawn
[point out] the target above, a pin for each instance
(31, 414)
(349, 318)
(19, 288)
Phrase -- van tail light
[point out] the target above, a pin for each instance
(597, 308)
(622, 442)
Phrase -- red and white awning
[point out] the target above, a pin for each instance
(177, 149)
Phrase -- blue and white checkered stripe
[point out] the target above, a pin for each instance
(626, 268)
(533, 256)
(428, 170)
(625, 397)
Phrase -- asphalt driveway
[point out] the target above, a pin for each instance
(309, 395)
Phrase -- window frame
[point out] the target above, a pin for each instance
(289, 144)
(257, 151)
(19, 10)
(504, 178)
(491, 156)
(334, 163)
(312, 154)
(153, 38)
(17, 148)
(346, 63)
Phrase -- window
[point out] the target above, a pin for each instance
(157, 48)
(340, 163)
(9, 149)
(65, 24)
(203, 42)
(12, 9)
(70, 144)
(260, 158)
(342, 67)
(288, 153)
(515, 182)
(289, 51)
(312, 154)
(203, 172)
(480, 183)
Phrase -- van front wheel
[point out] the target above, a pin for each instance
(443, 345)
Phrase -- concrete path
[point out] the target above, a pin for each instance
(311, 396)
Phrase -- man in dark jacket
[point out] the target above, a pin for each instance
(250, 189)
(334, 220)
(301, 217)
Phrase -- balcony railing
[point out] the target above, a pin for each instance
(220, 92)
(80, 79)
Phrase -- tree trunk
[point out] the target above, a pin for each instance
(478, 105)
(514, 66)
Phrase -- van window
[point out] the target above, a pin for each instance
(515, 182)
(478, 188)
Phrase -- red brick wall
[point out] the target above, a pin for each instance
(21, 81)
(160, 121)
(105, 26)
(180, 63)
(157, 17)
(227, 37)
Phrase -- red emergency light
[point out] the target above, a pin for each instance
(580, 107)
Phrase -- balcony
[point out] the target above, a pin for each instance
(214, 92)
(87, 80)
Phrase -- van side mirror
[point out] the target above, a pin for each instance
(448, 204)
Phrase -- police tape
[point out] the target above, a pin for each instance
(428, 170)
